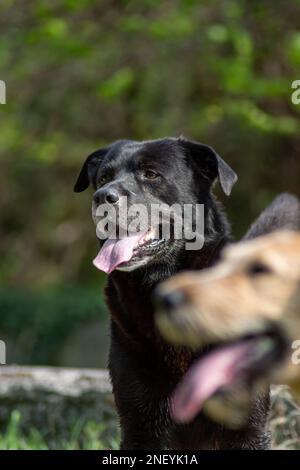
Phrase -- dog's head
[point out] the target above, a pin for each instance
(249, 308)
(249, 288)
(129, 174)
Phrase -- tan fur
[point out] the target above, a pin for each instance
(230, 300)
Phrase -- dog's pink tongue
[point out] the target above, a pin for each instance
(216, 370)
(116, 251)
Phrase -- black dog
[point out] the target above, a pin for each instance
(144, 368)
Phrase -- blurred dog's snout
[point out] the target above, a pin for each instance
(106, 196)
(170, 300)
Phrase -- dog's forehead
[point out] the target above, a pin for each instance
(281, 250)
(162, 151)
(119, 151)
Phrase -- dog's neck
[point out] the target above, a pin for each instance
(130, 300)
(130, 294)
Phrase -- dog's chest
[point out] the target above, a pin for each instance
(132, 311)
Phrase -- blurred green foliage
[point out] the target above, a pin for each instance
(36, 325)
(81, 73)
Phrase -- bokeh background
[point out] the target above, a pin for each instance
(82, 73)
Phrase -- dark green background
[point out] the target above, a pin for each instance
(81, 73)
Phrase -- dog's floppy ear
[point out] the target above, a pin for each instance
(88, 170)
(211, 164)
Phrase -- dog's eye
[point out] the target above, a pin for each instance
(256, 269)
(150, 175)
(103, 179)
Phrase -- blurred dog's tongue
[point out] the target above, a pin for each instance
(217, 369)
(116, 251)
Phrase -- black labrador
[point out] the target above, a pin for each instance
(144, 368)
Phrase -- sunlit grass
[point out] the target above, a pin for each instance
(284, 425)
(88, 436)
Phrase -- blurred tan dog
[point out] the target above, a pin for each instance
(248, 307)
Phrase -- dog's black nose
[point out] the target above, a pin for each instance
(111, 196)
(108, 196)
(171, 300)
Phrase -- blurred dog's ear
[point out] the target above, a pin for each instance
(210, 164)
(89, 170)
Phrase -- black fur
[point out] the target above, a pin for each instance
(145, 369)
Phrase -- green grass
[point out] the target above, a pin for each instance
(284, 425)
(90, 436)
